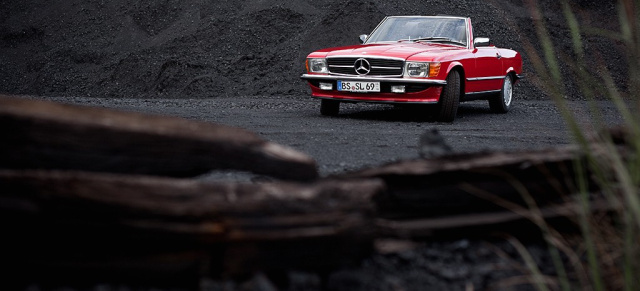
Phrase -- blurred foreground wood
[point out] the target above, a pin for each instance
(470, 183)
(93, 193)
(94, 222)
(47, 135)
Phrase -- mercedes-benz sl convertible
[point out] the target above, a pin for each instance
(416, 60)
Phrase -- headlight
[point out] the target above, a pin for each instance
(415, 69)
(421, 69)
(317, 66)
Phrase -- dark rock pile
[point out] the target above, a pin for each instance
(203, 49)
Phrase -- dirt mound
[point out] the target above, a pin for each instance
(196, 49)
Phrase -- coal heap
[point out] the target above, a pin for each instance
(205, 49)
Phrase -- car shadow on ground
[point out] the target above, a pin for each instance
(413, 113)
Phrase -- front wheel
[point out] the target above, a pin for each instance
(329, 107)
(449, 98)
(502, 102)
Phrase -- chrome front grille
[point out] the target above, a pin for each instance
(379, 67)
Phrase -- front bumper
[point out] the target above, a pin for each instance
(423, 91)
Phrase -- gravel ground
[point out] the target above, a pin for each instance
(438, 265)
(367, 134)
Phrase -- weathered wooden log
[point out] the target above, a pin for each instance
(473, 183)
(95, 222)
(520, 221)
(47, 135)
(212, 211)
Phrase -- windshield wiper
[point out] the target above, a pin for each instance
(424, 38)
(431, 38)
(438, 39)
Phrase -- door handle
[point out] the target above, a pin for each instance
(498, 55)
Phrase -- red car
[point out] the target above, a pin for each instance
(416, 60)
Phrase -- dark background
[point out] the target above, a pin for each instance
(207, 49)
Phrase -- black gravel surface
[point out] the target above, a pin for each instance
(452, 265)
(370, 134)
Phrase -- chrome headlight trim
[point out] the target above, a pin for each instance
(318, 65)
(416, 69)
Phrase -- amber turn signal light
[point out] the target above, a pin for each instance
(434, 69)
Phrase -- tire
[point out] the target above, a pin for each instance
(329, 107)
(449, 98)
(502, 102)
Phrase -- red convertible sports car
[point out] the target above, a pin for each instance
(416, 60)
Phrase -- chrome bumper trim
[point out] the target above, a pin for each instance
(375, 101)
(372, 79)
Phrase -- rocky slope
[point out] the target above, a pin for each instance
(202, 49)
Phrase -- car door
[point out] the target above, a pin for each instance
(487, 74)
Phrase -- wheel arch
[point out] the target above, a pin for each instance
(511, 72)
(457, 66)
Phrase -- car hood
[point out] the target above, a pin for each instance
(396, 50)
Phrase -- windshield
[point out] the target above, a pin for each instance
(437, 29)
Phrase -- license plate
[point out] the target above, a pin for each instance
(356, 86)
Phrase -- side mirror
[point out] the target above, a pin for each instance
(363, 37)
(481, 41)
